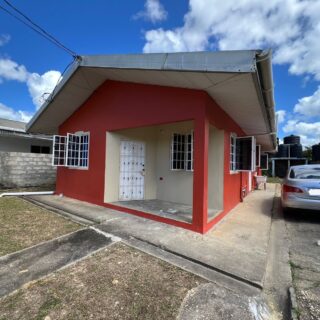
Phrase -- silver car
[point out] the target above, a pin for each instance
(301, 188)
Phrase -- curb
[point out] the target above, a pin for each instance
(68, 215)
(293, 304)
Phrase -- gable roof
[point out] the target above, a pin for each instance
(246, 73)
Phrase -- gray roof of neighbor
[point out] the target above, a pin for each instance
(11, 125)
(247, 74)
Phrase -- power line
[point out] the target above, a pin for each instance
(35, 27)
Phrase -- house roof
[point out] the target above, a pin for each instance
(11, 128)
(247, 74)
(11, 125)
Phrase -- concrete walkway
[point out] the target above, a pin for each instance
(35, 262)
(237, 247)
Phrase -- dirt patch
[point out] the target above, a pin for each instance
(116, 283)
(23, 224)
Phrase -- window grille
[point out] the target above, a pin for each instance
(178, 147)
(71, 150)
(59, 150)
(189, 152)
(233, 152)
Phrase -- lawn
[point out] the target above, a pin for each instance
(23, 224)
(118, 282)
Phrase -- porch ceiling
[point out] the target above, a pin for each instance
(233, 85)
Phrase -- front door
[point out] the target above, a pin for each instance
(132, 170)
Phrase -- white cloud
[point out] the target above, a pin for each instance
(290, 27)
(308, 132)
(309, 106)
(9, 113)
(281, 114)
(4, 39)
(154, 11)
(39, 86)
(10, 70)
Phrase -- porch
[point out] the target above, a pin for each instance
(152, 171)
(166, 209)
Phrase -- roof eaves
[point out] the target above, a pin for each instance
(69, 73)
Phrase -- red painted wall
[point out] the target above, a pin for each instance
(119, 105)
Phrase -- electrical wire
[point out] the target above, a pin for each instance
(35, 27)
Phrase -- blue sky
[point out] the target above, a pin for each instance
(30, 65)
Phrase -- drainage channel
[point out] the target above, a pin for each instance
(35, 262)
(203, 270)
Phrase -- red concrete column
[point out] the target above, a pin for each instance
(200, 174)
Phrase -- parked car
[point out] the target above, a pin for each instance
(301, 188)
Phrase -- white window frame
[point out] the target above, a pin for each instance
(78, 158)
(72, 161)
(233, 153)
(59, 150)
(184, 161)
(267, 162)
(258, 156)
(253, 154)
(179, 144)
(191, 151)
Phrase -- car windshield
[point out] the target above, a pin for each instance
(305, 173)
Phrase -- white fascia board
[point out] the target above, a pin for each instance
(241, 61)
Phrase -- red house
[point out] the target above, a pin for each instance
(174, 137)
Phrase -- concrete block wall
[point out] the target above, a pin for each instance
(26, 169)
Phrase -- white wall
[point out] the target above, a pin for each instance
(113, 140)
(176, 186)
(215, 169)
(20, 144)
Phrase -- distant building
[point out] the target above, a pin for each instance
(13, 138)
(289, 154)
(316, 153)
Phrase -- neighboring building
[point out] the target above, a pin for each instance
(13, 138)
(289, 154)
(316, 153)
(25, 159)
(169, 137)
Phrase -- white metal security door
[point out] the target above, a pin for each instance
(132, 170)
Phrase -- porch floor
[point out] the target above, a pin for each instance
(171, 210)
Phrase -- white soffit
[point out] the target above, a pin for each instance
(234, 92)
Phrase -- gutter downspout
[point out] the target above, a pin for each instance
(264, 67)
(36, 193)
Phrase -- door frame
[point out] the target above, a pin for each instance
(144, 168)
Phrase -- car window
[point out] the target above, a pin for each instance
(305, 173)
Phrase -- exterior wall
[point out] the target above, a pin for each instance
(146, 135)
(233, 182)
(26, 169)
(175, 186)
(215, 168)
(20, 144)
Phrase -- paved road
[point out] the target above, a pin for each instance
(304, 233)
